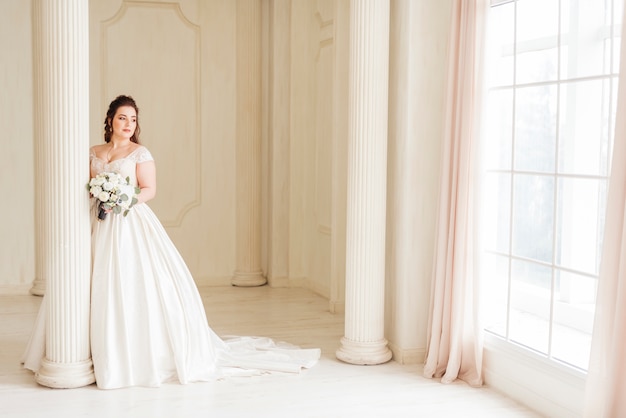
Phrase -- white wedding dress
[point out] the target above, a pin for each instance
(148, 324)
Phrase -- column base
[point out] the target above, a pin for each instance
(364, 353)
(65, 375)
(248, 279)
(39, 287)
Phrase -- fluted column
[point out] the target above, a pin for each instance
(248, 270)
(364, 341)
(62, 112)
(278, 92)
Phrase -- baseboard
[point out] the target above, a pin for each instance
(408, 355)
(213, 281)
(302, 282)
(278, 282)
(316, 288)
(15, 289)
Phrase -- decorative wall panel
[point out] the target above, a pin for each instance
(151, 51)
(324, 66)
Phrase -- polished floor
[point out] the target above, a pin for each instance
(330, 389)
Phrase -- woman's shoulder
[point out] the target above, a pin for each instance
(141, 153)
(96, 150)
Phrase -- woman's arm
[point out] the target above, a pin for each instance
(146, 180)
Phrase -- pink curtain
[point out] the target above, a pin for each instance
(606, 379)
(454, 340)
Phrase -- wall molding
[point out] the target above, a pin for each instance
(15, 289)
(213, 281)
(408, 355)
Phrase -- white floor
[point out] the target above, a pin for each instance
(330, 389)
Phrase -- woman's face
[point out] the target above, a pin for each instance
(124, 122)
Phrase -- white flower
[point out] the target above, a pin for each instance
(95, 190)
(103, 196)
(108, 186)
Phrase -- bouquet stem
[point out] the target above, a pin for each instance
(101, 213)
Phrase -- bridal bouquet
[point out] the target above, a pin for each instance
(114, 193)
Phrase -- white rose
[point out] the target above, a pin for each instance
(99, 181)
(108, 186)
(103, 196)
(95, 190)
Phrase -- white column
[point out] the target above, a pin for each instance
(364, 341)
(248, 270)
(62, 110)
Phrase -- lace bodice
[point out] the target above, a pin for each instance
(126, 166)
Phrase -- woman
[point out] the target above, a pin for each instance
(148, 324)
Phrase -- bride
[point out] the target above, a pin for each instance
(148, 324)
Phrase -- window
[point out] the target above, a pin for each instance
(550, 118)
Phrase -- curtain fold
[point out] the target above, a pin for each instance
(454, 344)
(606, 383)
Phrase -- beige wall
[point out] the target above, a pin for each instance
(17, 259)
(418, 55)
(313, 141)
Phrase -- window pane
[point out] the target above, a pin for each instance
(584, 127)
(613, 115)
(497, 211)
(617, 17)
(583, 29)
(503, 23)
(535, 66)
(535, 128)
(533, 209)
(580, 224)
(499, 135)
(530, 305)
(573, 318)
(537, 19)
(496, 293)
(537, 51)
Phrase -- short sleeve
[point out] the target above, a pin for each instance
(92, 153)
(143, 155)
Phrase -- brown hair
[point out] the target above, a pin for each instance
(115, 104)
